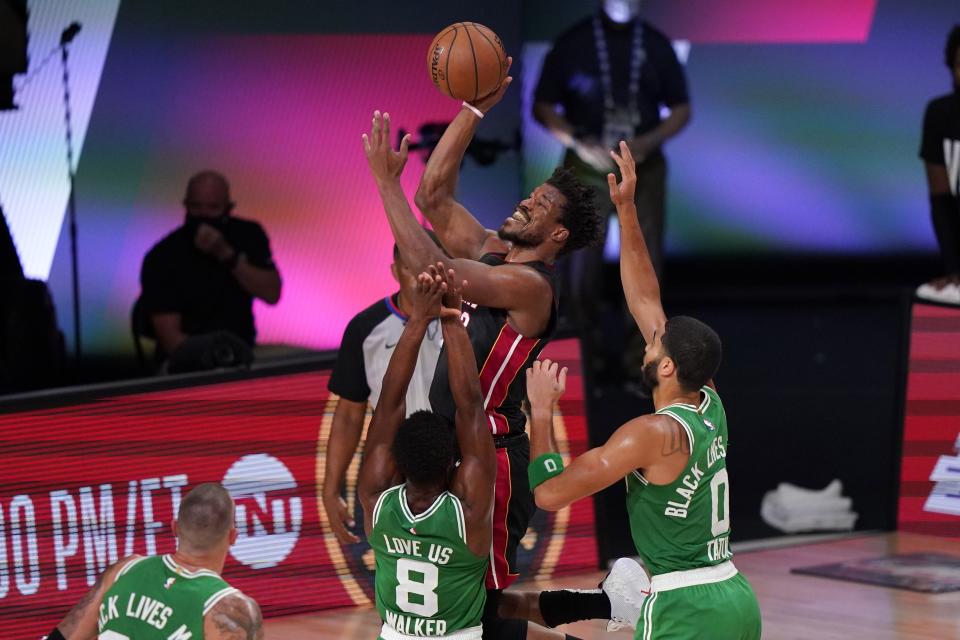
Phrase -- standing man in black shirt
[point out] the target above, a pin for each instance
(940, 152)
(605, 80)
(204, 275)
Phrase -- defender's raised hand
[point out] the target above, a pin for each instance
(452, 303)
(622, 193)
(546, 382)
(426, 299)
(385, 163)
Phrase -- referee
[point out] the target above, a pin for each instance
(362, 361)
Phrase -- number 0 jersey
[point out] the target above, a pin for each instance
(154, 598)
(428, 582)
(686, 524)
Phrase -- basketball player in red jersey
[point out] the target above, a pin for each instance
(510, 302)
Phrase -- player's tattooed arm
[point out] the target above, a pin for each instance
(235, 617)
(674, 441)
(635, 445)
(81, 622)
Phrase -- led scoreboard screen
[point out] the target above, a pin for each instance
(87, 483)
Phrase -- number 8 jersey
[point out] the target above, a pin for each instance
(686, 524)
(428, 582)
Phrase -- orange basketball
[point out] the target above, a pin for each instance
(466, 61)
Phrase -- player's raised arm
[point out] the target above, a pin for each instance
(639, 280)
(459, 231)
(475, 477)
(516, 288)
(636, 444)
(378, 471)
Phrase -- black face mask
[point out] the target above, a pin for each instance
(192, 222)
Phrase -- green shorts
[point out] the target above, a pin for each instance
(726, 610)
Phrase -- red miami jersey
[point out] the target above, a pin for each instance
(502, 356)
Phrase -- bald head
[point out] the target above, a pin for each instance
(205, 517)
(208, 195)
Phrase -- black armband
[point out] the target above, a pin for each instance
(55, 634)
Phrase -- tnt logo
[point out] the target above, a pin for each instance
(269, 514)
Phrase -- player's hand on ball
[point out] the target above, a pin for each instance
(385, 163)
(487, 102)
(546, 382)
(622, 193)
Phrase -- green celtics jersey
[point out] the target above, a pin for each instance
(428, 582)
(686, 524)
(154, 598)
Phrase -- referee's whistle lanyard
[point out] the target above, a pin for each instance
(619, 123)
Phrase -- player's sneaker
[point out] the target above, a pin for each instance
(627, 586)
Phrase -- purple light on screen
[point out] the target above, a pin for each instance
(282, 116)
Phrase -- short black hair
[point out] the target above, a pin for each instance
(953, 43)
(433, 236)
(205, 516)
(695, 348)
(580, 216)
(425, 448)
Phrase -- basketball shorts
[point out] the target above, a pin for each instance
(725, 610)
(513, 507)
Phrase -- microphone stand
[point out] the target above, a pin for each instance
(65, 39)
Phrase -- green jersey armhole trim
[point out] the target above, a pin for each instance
(461, 519)
(217, 597)
(707, 399)
(683, 423)
(380, 500)
(129, 565)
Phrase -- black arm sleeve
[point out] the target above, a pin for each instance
(945, 211)
(349, 377)
(552, 78)
(258, 248)
(673, 76)
(160, 291)
(931, 147)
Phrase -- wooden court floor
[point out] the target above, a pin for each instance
(793, 606)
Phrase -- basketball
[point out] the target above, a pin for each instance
(466, 61)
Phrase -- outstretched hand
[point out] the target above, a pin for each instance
(490, 100)
(452, 302)
(546, 382)
(426, 298)
(622, 193)
(385, 163)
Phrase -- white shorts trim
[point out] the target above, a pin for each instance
(470, 633)
(693, 577)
